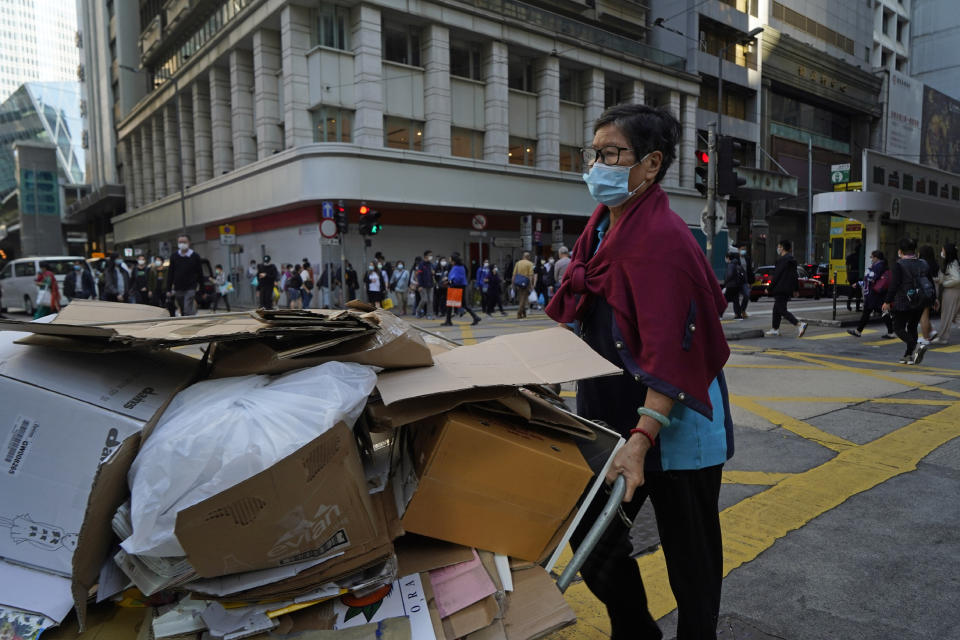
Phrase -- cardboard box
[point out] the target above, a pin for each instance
(68, 415)
(535, 607)
(311, 504)
(482, 481)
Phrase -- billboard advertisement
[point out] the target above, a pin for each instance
(904, 113)
(941, 131)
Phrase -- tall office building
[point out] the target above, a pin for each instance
(37, 42)
(935, 36)
(267, 109)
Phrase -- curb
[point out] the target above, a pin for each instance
(745, 334)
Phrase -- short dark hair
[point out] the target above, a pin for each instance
(219, 266)
(876, 253)
(908, 244)
(184, 235)
(786, 244)
(427, 253)
(647, 128)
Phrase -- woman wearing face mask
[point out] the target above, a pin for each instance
(949, 292)
(399, 283)
(155, 282)
(641, 293)
(140, 286)
(440, 295)
(220, 281)
(116, 280)
(374, 284)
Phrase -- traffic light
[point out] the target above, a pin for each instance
(727, 178)
(375, 225)
(341, 218)
(369, 221)
(702, 171)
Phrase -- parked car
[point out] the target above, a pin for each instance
(18, 288)
(809, 287)
(820, 273)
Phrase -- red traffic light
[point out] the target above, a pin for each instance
(703, 156)
(364, 209)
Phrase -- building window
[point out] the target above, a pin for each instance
(401, 43)
(332, 125)
(878, 175)
(612, 95)
(569, 84)
(520, 73)
(945, 191)
(893, 179)
(955, 193)
(907, 182)
(466, 143)
(570, 159)
(522, 151)
(932, 188)
(466, 60)
(330, 26)
(400, 133)
(921, 185)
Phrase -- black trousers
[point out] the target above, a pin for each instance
(905, 326)
(780, 310)
(266, 297)
(732, 294)
(685, 503)
(865, 316)
(464, 306)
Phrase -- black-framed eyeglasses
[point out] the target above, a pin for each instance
(605, 155)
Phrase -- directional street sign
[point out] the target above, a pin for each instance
(840, 173)
(326, 207)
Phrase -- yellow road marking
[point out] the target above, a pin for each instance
(466, 332)
(754, 477)
(568, 394)
(778, 367)
(920, 401)
(831, 336)
(819, 359)
(951, 349)
(752, 525)
(799, 427)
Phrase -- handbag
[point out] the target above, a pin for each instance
(43, 297)
(455, 297)
(521, 281)
(387, 303)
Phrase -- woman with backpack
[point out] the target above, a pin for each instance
(949, 292)
(293, 287)
(910, 291)
(876, 280)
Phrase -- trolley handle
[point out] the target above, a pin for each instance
(617, 492)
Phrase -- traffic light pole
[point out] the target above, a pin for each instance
(343, 275)
(711, 209)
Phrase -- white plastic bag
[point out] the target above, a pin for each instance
(532, 298)
(218, 433)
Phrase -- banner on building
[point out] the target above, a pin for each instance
(904, 113)
(941, 131)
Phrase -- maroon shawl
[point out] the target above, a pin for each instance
(655, 276)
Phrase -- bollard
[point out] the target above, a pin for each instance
(835, 286)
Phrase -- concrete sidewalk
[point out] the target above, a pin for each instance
(754, 326)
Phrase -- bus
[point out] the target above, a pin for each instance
(846, 236)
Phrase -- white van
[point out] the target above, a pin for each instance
(18, 288)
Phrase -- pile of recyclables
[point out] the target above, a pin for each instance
(292, 474)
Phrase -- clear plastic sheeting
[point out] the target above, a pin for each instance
(220, 432)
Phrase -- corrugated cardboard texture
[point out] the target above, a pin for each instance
(491, 484)
(535, 607)
(313, 503)
(550, 356)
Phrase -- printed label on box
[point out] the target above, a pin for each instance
(21, 436)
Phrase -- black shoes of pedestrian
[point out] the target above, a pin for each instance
(476, 320)
(446, 324)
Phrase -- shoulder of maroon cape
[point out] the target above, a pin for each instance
(659, 283)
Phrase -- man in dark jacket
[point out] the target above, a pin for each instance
(78, 285)
(184, 276)
(116, 280)
(906, 299)
(783, 286)
(876, 280)
(853, 262)
(266, 280)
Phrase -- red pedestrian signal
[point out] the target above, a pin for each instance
(703, 157)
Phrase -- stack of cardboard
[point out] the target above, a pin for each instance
(433, 517)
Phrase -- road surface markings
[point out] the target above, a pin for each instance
(799, 427)
(831, 336)
(766, 478)
(951, 349)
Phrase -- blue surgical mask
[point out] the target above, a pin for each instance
(610, 184)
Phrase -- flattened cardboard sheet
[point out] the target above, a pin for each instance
(550, 356)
